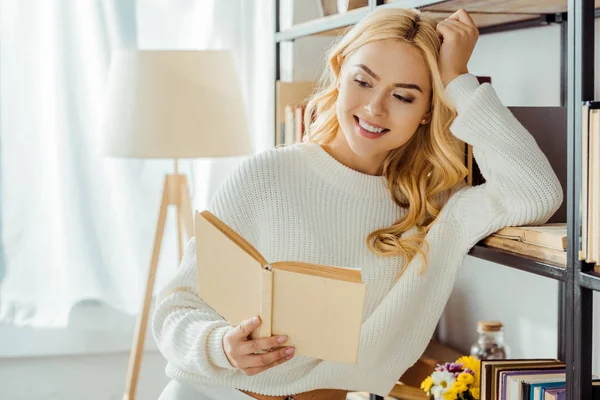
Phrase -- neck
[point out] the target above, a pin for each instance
(339, 149)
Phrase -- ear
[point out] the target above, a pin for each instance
(426, 119)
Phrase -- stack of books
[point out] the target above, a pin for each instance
(526, 379)
(546, 242)
(293, 127)
(291, 100)
(590, 184)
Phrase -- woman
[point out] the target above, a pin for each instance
(377, 184)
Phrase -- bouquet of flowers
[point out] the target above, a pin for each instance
(454, 381)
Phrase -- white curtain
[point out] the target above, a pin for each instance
(74, 224)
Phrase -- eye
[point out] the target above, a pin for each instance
(403, 99)
(361, 83)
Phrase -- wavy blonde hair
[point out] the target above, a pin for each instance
(424, 172)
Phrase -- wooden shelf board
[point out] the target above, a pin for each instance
(485, 13)
(405, 392)
(487, 20)
(399, 391)
(330, 25)
(492, 6)
(517, 261)
(442, 352)
(435, 353)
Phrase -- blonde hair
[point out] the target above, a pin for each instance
(421, 174)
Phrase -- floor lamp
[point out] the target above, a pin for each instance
(176, 105)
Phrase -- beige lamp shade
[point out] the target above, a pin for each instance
(174, 104)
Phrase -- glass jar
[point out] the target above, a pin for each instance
(490, 343)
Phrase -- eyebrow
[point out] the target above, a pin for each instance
(400, 85)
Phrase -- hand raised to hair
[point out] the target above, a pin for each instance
(459, 35)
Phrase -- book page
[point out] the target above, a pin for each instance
(321, 316)
(228, 277)
(325, 271)
(553, 235)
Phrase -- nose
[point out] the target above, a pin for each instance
(375, 106)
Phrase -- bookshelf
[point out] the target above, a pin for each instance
(577, 281)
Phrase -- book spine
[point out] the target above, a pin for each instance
(266, 301)
(585, 139)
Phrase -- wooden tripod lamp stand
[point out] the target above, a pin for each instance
(172, 104)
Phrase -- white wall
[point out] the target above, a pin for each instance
(525, 70)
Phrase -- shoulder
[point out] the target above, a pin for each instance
(280, 154)
(269, 162)
(261, 170)
(245, 193)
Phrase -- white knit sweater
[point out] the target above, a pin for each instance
(299, 203)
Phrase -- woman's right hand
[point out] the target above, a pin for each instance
(241, 352)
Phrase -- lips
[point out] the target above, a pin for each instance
(371, 124)
(368, 134)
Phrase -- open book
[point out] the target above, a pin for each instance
(319, 307)
(553, 235)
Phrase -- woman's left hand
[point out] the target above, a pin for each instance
(459, 35)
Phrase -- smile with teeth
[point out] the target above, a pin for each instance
(370, 128)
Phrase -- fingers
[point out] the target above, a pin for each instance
(246, 327)
(254, 346)
(254, 356)
(255, 371)
(255, 364)
(463, 16)
(451, 27)
(457, 27)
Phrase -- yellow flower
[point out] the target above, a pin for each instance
(469, 362)
(475, 393)
(426, 384)
(473, 364)
(465, 378)
(459, 387)
(450, 395)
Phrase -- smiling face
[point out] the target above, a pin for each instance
(384, 95)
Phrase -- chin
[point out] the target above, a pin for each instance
(362, 147)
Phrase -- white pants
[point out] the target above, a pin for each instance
(176, 390)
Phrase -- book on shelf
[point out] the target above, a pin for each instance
(319, 307)
(491, 369)
(541, 385)
(552, 236)
(528, 386)
(299, 126)
(509, 381)
(294, 123)
(289, 125)
(289, 93)
(590, 184)
(531, 379)
(554, 394)
(538, 253)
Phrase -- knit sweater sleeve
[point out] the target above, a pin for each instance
(521, 188)
(188, 332)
